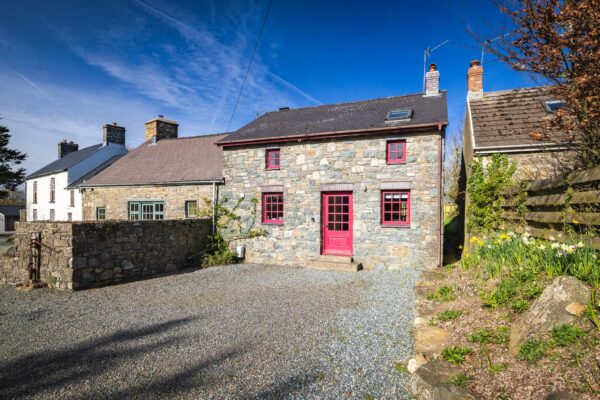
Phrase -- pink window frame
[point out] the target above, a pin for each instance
(395, 223)
(271, 221)
(389, 152)
(268, 158)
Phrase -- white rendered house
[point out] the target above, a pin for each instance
(52, 191)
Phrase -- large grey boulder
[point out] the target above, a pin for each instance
(549, 310)
(430, 382)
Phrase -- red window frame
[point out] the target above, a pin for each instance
(273, 158)
(394, 148)
(272, 210)
(391, 216)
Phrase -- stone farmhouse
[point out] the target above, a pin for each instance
(515, 123)
(344, 184)
(52, 191)
(167, 177)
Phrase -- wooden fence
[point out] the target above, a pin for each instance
(567, 205)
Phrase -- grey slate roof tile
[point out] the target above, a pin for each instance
(66, 162)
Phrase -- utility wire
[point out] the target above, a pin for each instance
(262, 28)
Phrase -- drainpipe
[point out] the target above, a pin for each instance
(440, 220)
(214, 209)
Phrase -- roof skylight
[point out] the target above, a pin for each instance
(553, 105)
(399, 114)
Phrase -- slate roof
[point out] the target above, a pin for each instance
(344, 117)
(168, 161)
(66, 162)
(509, 117)
(95, 171)
(11, 211)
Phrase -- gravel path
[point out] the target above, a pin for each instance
(236, 332)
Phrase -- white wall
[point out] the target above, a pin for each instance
(62, 205)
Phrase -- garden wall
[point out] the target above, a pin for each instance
(92, 254)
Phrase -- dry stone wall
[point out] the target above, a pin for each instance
(87, 254)
(357, 161)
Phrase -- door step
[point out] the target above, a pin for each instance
(334, 263)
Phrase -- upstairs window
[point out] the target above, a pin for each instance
(399, 114)
(101, 213)
(35, 192)
(146, 210)
(553, 106)
(273, 157)
(72, 195)
(396, 151)
(191, 209)
(52, 190)
(395, 207)
(272, 208)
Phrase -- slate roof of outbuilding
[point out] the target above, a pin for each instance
(509, 117)
(344, 117)
(63, 164)
(11, 211)
(168, 161)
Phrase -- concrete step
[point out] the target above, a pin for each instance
(334, 263)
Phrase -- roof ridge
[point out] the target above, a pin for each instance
(505, 91)
(193, 137)
(353, 102)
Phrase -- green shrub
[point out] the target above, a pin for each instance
(519, 306)
(401, 367)
(51, 280)
(217, 252)
(443, 293)
(449, 315)
(456, 355)
(461, 379)
(565, 335)
(486, 335)
(501, 296)
(531, 291)
(532, 351)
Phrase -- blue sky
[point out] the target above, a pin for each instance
(71, 66)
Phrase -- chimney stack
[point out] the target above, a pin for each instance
(432, 81)
(65, 148)
(161, 128)
(475, 80)
(113, 133)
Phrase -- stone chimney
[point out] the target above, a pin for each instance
(113, 133)
(475, 80)
(65, 148)
(161, 128)
(432, 81)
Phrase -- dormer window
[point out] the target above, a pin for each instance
(399, 114)
(553, 106)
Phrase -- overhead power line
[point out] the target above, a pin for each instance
(262, 28)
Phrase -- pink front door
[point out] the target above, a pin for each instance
(337, 223)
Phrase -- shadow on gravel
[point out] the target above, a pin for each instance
(41, 371)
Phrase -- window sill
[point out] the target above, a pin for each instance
(396, 162)
(273, 223)
(273, 169)
(394, 226)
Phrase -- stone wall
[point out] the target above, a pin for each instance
(86, 254)
(358, 161)
(116, 199)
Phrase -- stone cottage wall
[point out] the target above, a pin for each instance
(85, 255)
(115, 199)
(359, 161)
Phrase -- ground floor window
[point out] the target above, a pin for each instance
(395, 207)
(52, 215)
(100, 213)
(272, 208)
(69, 217)
(34, 216)
(191, 209)
(146, 210)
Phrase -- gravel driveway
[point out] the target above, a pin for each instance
(235, 332)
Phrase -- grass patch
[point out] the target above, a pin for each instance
(566, 335)
(461, 379)
(532, 351)
(486, 335)
(449, 315)
(443, 293)
(401, 367)
(519, 306)
(456, 355)
(495, 368)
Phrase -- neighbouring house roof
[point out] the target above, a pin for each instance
(168, 161)
(510, 117)
(63, 164)
(11, 211)
(95, 171)
(369, 115)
